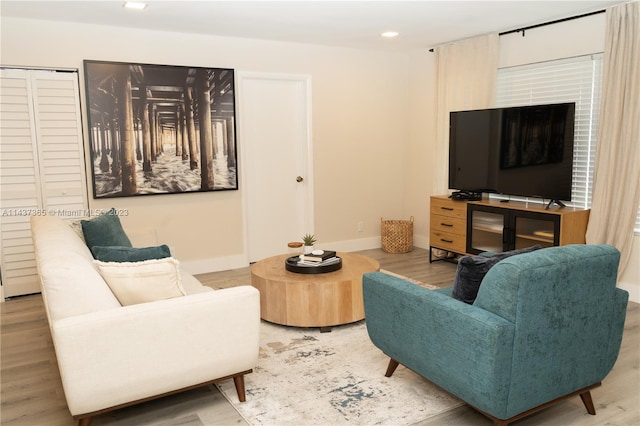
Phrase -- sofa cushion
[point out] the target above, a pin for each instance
(71, 284)
(130, 254)
(191, 285)
(141, 282)
(472, 269)
(104, 230)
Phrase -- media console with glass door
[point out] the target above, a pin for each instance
(473, 227)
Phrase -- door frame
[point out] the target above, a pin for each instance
(305, 151)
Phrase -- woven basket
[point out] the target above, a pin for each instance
(397, 235)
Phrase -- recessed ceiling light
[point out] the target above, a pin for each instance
(138, 5)
(389, 34)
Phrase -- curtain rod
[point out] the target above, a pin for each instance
(557, 21)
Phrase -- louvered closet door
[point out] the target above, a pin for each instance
(41, 164)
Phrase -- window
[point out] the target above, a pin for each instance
(576, 80)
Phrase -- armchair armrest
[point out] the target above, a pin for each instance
(115, 356)
(457, 346)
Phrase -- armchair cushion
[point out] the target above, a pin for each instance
(472, 269)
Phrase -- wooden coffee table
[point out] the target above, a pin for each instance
(311, 300)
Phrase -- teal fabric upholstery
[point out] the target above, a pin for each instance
(130, 254)
(104, 230)
(544, 324)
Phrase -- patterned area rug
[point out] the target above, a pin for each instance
(416, 282)
(305, 377)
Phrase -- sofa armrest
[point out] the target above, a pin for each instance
(115, 356)
(457, 346)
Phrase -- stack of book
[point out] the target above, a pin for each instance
(327, 257)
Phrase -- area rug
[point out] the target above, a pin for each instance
(305, 377)
(416, 282)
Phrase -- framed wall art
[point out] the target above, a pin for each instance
(160, 129)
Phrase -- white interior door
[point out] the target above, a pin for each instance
(275, 147)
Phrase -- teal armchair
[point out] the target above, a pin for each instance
(545, 326)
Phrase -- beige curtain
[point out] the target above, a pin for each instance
(466, 79)
(616, 191)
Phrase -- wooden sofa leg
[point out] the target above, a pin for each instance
(85, 421)
(393, 364)
(588, 402)
(239, 382)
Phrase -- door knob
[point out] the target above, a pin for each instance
(299, 179)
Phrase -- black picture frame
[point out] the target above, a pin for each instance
(145, 130)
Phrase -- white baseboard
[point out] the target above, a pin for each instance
(241, 261)
(421, 242)
(352, 245)
(368, 244)
(215, 264)
(633, 289)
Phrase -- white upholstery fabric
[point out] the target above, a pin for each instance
(112, 357)
(110, 354)
(191, 285)
(142, 282)
(69, 281)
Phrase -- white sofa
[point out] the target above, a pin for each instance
(111, 356)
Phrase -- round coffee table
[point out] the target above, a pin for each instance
(311, 300)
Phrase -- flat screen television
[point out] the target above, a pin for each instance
(526, 151)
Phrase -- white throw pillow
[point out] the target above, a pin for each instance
(141, 282)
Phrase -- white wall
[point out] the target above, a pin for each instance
(421, 143)
(360, 121)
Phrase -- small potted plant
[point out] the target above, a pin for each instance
(308, 240)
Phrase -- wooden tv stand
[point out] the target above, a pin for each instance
(471, 227)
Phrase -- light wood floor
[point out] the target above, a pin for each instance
(31, 391)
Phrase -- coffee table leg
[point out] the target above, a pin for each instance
(325, 329)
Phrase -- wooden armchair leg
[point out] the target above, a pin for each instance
(588, 402)
(239, 382)
(393, 364)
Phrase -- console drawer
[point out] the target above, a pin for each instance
(450, 225)
(448, 241)
(449, 208)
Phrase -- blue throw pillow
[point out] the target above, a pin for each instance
(129, 254)
(104, 230)
(472, 269)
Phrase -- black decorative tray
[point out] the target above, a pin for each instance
(292, 266)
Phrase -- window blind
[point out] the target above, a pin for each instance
(576, 79)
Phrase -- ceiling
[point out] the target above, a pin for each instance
(357, 24)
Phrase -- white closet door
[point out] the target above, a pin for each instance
(41, 164)
(59, 142)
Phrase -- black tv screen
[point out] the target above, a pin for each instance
(472, 156)
(526, 151)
